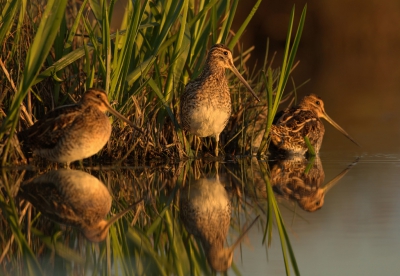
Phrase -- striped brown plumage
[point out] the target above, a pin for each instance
(72, 132)
(206, 102)
(303, 120)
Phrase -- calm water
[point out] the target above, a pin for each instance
(356, 231)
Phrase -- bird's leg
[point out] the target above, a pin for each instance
(216, 144)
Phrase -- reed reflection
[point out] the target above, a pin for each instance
(205, 210)
(73, 198)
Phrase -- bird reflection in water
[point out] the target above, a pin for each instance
(300, 180)
(74, 198)
(205, 210)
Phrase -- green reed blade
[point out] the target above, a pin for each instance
(59, 248)
(96, 7)
(88, 68)
(177, 249)
(273, 208)
(9, 210)
(244, 25)
(285, 242)
(106, 43)
(288, 245)
(137, 72)
(157, 221)
(8, 14)
(38, 51)
(230, 11)
(20, 29)
(179, 56)
(125, 53)
(97, 48)
(72, 32)
(155, 88)
(62, 63)
(287, 64)
(120, 253)
(311, 150)
(268, 228)
(310, 164)
(141, 242)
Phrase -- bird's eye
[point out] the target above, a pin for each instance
(98, 96)
(318, 102)
(225, 53)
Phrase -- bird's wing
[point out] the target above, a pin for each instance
(46, 132)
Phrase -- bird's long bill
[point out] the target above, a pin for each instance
(236, 72)
(333, 123)
(120, 116)
(240, 238)
(122, 213)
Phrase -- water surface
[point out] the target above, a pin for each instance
(349, 229)
(356, 231)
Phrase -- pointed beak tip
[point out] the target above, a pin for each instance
(351, 139)
(255, 96)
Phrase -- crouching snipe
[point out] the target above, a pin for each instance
(301, 121)
(72, 132)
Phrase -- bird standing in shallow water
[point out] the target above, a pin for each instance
(206, 102)
(301, 121)
(72, 132)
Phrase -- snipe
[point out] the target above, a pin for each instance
(73, 198)
(206, 102)
(72, 132)
(301, 121)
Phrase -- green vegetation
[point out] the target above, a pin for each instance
(49, 59)
(311, 151)
(275, 88)
(51, 54)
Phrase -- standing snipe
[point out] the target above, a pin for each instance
(74, 198)
(206, 101)
(205, 210)
(72, 132)
(288, 132)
